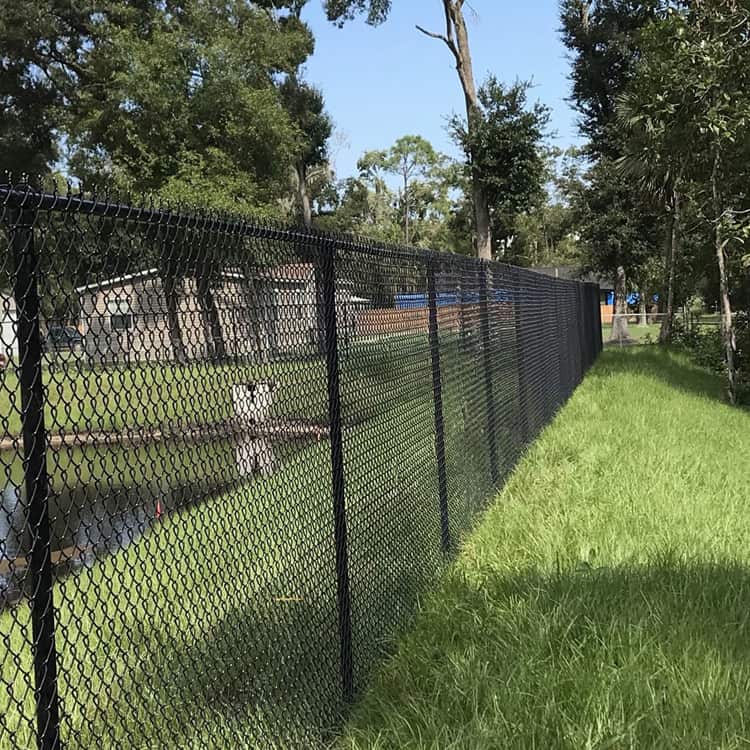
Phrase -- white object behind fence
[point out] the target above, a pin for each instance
(252, 406)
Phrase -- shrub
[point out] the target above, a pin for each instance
(707, 349)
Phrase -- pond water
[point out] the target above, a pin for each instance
(117, 495)
(84, 527)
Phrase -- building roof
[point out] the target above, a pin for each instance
(126, 279)
(576, 273)
(291, 272)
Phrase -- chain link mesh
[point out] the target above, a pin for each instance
(234, 455)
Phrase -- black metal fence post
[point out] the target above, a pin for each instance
(586, 323)
(560, 378)
(343, 591)
(582, 317)
(484, 320)
(598, 332)
(36, 480)
(518, 302)
(437, 394)
(591, 323)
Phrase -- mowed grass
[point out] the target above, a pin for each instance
(604, 601)
(141, 395)
(84, 399)
(639, 333)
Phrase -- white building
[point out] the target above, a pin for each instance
(262, 317)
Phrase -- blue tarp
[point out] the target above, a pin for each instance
(633, 298)
(446, 299)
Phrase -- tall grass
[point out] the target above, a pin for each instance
(604, 602)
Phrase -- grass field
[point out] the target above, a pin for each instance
(604, 601)
(112, 398)
(641, 334)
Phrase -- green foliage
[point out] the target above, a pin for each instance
(685, 114)
(340, 11)
(181, 91)
(706, 347)
(505, 145)
(367, 205)
(305, 106)
(602, 36)
(165, 98)
(42, 43)
(548, 234)
(545, 236)
(618, 225)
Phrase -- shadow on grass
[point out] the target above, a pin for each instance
(670, 365)
(648, 657)
(267, 674)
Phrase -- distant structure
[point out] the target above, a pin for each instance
(575, 273)
(262, 317)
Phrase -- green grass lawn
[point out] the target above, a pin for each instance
(641, 334)
(604, 601)
(153, 394)
(111, 398)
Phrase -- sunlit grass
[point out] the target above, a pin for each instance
(604, 601)
(642, 334)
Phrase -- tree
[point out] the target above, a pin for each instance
(186, 96)
(689, 103)
(603, 37)
(456, 38)
(197, 102)
(372, 167)
(654, 153)
(618, 228)
(411, 157)
(306, 108)
(506, 145)
(420, 213)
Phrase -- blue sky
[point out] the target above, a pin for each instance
(384, 82)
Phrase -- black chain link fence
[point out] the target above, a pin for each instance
(234, 455)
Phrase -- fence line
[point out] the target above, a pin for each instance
(183, 559)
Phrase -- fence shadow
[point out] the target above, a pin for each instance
(608, 657)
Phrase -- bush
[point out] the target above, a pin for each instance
(707, 349)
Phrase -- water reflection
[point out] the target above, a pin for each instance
(85, 524)
(12, 522)
(95, 519)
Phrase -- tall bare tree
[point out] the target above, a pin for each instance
(456, 38)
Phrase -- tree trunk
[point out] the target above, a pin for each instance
(665, 333)
(620, 320)
(457, 40)
(303, 196)
(481, 217)
(642, 308)
(727, 324)
(169, 265)
(406, 210)
(318, 336)
(209, 314)
(172, 295)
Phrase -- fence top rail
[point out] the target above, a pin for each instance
(26, 197)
